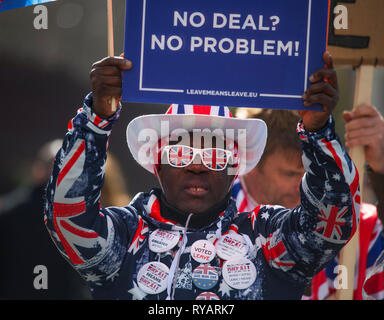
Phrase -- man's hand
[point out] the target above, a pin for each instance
(106, 81)
(365, 127)
(324, 91)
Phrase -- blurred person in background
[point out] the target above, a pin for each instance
(27, 245)
(25, 242)
(280, 167)
(365, 127)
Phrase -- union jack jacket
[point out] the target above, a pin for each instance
(109, 246)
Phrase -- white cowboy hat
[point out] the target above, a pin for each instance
(144, 132)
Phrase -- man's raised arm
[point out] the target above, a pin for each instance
(85, 233)
(303, 240)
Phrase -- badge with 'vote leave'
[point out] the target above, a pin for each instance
(203, 251)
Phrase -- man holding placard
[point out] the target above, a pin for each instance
(186, 240)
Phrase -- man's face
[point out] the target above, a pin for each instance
(277, 182)
(194, 188)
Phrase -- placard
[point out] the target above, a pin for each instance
(249, 53)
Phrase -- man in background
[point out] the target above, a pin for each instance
(280, 168)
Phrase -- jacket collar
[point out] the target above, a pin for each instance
(152, 207)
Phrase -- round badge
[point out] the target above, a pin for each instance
(239, 273)
(205, 277)
(231, 246)
(207, 296)
(203, 251)
(152, 277)
(163, 240)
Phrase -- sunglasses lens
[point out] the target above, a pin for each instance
(180, 156)
(215, 159)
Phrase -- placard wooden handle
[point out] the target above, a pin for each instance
(363, 92)
(111, 50)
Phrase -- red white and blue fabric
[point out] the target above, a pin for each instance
(108, 246)
(65, 208)
(207, 296)
(140, 235)
(220, 111)
(331, 222)
(331, 218)
(95, 123)
(277, 255)
(243, 201)
(371, 244)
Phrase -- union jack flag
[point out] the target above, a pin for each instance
(243, 202)
(276, 255)
(207, 296)
(205, 276)
(253, 215)
(138, 238)
(205, 269)
(180, 155)
(371, 243)
(70, 234)
(195, 109)
(215, 158)
(331, 222)
(351, 175)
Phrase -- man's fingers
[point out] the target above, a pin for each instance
(347, 116)
(106, 81)
(328, 75)
(328, 60)
(361, 141)
(365, 110)
(321, 87)
(114, 81)
(361, 132)
(106, 71)
(326, 101)
(361, 123)
(120, 62)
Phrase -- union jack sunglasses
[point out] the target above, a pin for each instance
(180, 156)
